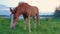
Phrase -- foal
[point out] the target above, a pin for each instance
(27, 11)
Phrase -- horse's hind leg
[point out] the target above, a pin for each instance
(38, 19)
(34, 22)
(29, 24)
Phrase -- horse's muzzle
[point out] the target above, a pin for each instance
(12, 26)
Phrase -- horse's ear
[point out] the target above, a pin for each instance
(11, 9)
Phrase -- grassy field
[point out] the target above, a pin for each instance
(47, 26)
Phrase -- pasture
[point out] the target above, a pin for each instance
(47, 26)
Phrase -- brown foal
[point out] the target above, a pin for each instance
(27, 11)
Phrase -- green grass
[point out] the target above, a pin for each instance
(50, 26)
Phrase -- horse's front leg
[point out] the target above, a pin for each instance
(13, 22)
(29, 24)
(25, 20)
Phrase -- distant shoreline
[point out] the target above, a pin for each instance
(21, 17)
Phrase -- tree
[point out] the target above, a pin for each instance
(57, 12)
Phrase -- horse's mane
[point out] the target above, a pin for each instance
(23, 3)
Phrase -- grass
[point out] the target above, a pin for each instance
(47, 26)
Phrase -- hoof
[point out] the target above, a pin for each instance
(30, 31)
(12, 26)
(24, 28)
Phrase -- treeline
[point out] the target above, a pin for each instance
(57, 12)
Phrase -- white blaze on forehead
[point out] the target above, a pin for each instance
(12, 18)
(11, 25)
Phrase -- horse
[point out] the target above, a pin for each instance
(27, 11)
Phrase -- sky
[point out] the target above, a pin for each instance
(43, 5)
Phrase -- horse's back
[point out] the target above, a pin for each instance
(32, 11)
(25, 8)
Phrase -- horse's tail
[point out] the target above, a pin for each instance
(38, 17)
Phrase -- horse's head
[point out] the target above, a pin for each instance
(13, 12)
